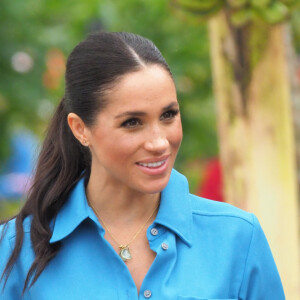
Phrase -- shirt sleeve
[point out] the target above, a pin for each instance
(261, 280)
(12, 289)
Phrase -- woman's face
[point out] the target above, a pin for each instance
(135, 139)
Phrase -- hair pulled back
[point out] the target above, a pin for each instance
(93, 67)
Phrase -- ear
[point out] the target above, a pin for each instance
(78, 128)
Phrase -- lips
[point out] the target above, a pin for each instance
(152, 164)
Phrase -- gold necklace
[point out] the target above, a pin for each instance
(124, 249)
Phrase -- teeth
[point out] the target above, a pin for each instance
(152, 165)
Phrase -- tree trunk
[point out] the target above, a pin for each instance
(253, 88)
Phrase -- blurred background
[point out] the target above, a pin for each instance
(37, 36)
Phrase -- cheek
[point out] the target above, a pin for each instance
(122, 146)
(175, 135)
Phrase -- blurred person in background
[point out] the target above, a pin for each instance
(107, 216)
(16, 170)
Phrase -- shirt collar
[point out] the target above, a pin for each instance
(71, 214)
(174, 211)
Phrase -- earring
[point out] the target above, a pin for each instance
(85, 143)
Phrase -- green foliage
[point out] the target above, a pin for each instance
(276, 12)
(33, 27)
(241, 11)
(8, 209)
(237, 3)
(203, 8)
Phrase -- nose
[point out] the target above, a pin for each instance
(157, 143)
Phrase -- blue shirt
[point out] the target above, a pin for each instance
(204, 250)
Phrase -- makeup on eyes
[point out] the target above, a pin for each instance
(134, 122)
(173, 112)
(172, 106)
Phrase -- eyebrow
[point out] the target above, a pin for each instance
(141, 113)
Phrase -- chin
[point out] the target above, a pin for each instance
(156, 186)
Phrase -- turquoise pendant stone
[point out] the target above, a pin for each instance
(125, 254)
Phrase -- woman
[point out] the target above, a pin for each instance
(107, 217)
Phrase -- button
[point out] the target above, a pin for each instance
(165, 246)
(147, 294)
(154, 231)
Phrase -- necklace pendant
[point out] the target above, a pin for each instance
(125, 253)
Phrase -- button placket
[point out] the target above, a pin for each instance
(164, 244)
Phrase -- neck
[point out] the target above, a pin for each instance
(120, 204)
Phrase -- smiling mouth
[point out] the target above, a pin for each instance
(152, 164)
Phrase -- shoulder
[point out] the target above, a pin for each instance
(8, 235)
(12, 281)
(208, 213)
(236, 235)
(223, 221)
(224, 226)
(8, 229)
(218, 210)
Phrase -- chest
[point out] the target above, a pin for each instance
(92, 269)
(142, 257)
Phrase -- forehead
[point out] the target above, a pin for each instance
(147, 86)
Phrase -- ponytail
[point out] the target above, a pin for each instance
(61, 163)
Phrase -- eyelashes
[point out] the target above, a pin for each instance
(170, 114)
(131, 123)
(136, 122)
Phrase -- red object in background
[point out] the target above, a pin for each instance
(212, 184)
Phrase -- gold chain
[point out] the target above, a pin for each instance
(136, 234)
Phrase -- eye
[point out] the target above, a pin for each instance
(131, 123)
(170, 114)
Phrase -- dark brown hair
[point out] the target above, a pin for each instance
(94, 66)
